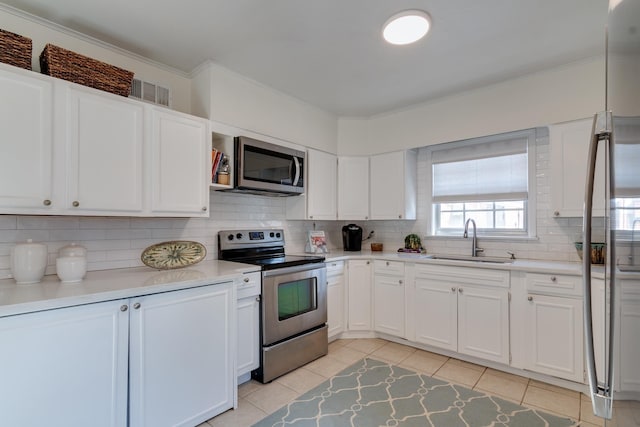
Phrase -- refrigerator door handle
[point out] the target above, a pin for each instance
(601, 392)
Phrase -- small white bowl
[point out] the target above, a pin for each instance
(71, 269)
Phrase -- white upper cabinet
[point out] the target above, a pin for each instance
(569, 148)
(105, 145)
(353, 188)
(72, 150)
(393, 185)
(321, 185)
(177, 162)
(319, 201)
(26, 181)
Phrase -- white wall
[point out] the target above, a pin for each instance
(232, 99)
(570, 92)
(43, 32)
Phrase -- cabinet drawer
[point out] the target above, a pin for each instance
(554, 284)
(249, 285)
(464, 275)
(335, 268)
(395, 268)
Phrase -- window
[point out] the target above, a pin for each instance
(626, 208)
(487, 179)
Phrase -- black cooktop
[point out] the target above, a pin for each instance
(282, 261)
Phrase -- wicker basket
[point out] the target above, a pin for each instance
(67, 65)
(15, 49)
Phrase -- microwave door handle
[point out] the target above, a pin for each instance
(296, 176)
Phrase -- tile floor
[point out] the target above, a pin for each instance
(256, 400)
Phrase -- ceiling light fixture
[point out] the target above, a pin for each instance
(406, 27)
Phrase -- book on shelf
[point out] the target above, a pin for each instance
(216, 161)
(317, 242)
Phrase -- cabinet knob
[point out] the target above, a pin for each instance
(46, 202)
(529, 298)
(387, 263)
(553, 278)
(453, 289)
(556, 213)
(460, 290)
(400, 281)
(136, 305)
(310, 216)
(246, 280)
(366, 217)
(368, 262)
(75, 203)
(124, 307)
(258, 298)
(204, 209)
(399, 216)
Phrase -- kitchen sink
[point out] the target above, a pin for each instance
(494, 260)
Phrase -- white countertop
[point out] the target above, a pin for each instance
(556, 267)
(108, 285)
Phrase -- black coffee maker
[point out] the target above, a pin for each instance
(352, 237)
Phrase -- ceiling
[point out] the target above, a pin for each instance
(330, 53)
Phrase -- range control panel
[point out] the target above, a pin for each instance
(239, 238)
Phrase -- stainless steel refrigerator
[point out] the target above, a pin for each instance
(612, 317)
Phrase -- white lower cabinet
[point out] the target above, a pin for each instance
(65, 367)
(629, 337)
(181, 372)
(248, 309)
(359, 285)
(554, 336)
(335, 298)
(462, 309)
(162, 359)
(389, 297)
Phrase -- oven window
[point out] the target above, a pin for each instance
(297, 297)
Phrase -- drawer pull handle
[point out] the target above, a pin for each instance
(529, 298)
(246, 280)
(460, 290)
(124, 307)
(453, 289)
(136, 305)
(75, 203)
(47, 202)
(553, 278)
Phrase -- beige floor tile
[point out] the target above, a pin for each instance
(366, 345)
(458, 373)
(511, 377)
(554, 401)
(301, 380)
(248, 387)
(502, 385)
(586, 411)
(554, 388)
(467, 365)
(271, 397)
(424, 362)
(245, 415)
(393, 353)
(347, 355)
(326, 366)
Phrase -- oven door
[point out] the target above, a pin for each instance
(294, 300)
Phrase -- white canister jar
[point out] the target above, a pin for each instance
(72, 250)
(28, 262)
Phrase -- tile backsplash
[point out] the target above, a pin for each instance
(118, 242)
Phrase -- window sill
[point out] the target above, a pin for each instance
(486, 238)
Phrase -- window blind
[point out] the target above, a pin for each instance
(492, 169)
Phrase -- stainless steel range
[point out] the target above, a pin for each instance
(293, 306)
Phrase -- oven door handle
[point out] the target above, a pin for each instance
(294, 269)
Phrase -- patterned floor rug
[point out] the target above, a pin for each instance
(373, 393)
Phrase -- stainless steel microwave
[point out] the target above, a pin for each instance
(269, 169)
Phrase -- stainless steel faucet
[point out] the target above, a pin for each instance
(474, 241)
